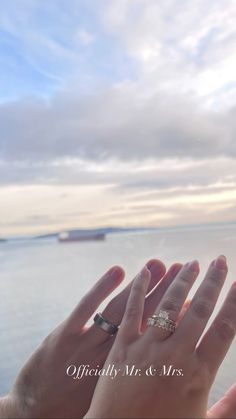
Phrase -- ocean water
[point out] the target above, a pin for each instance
(42, 281)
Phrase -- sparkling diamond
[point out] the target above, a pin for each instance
(164, 315)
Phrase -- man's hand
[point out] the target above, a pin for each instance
(42, 388)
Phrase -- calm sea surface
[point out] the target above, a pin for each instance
(41, 282)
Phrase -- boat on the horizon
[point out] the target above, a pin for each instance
(2, 240)
(74, 236)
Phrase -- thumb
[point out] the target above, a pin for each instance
(225, 408)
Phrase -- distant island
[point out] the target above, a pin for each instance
(103, 231)
(92, 231)
(82, 233)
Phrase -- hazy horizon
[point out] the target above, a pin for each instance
(154, 227)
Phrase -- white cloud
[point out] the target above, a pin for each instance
(180, 46)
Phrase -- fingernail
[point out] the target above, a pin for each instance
(114, 273)
(193, 266)
(220, 262)
(153, 267)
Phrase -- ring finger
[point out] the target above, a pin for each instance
(115, 309)
(169, 308)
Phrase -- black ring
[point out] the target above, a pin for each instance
(105, 325)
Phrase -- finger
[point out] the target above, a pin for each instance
(158, 270)
(131, 324)
(174, 298)
(115, 309)
(225, 408)
(154, 298)
(203, 304)
(217, 340)
(90, 302)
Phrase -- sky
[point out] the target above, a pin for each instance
(115, 112)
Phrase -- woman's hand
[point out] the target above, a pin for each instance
(192, 365)
(42, 388)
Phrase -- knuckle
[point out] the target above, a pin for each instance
(225, 329)
(186, 277)
(178, 291)
(201, 309)
(138, 287)
(199, 383)
(132, 311)
(216, 277)
(171, 306)
(210, 291)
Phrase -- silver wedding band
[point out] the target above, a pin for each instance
(105, 325)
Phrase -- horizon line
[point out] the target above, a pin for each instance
(38, 235)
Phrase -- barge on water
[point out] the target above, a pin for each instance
(74, 236)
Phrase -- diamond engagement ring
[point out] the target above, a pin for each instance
(162, 320)
(105, 325)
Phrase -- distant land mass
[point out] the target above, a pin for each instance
(102, 230)
(82, 231)
(112, 230)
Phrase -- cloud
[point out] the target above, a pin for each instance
(180, 46)
(116, 123)
(163, 112)
(176, 175)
